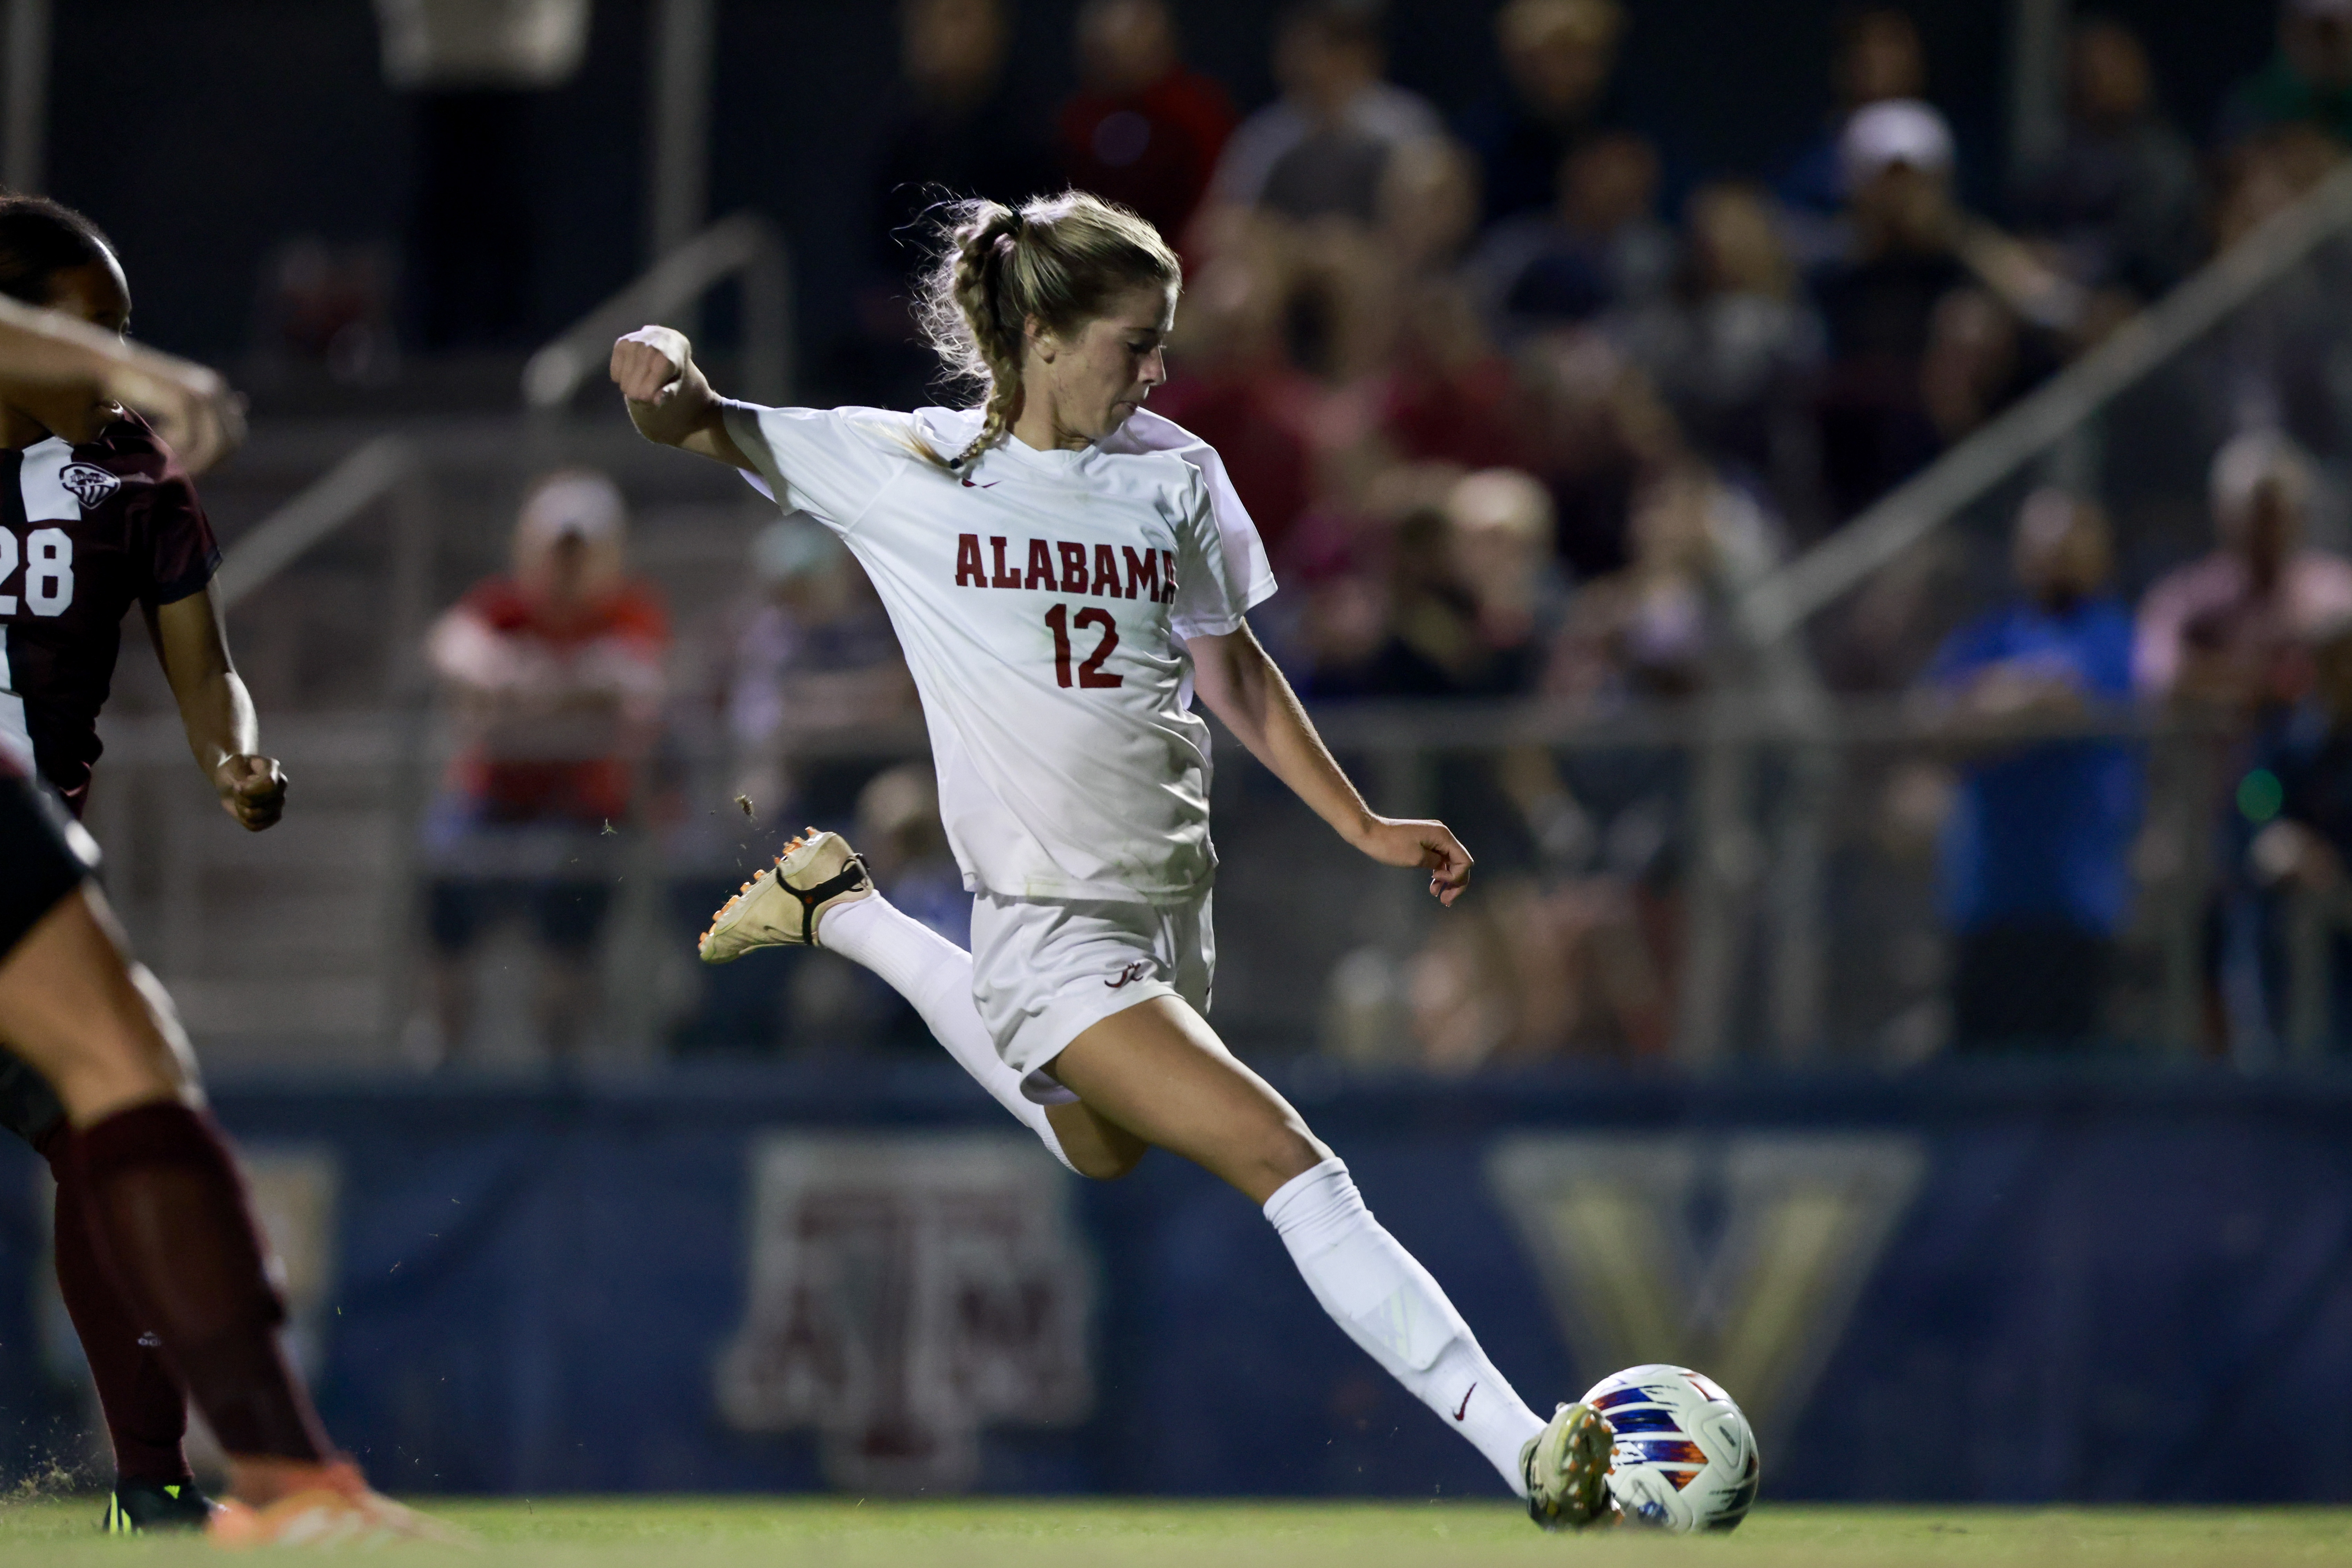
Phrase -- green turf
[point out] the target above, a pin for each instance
(673, 1532)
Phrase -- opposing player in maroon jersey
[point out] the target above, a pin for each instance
(165, 1214)
(97, 516)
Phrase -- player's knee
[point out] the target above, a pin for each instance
(1095, 1148)
(1104, 1163)
(1283, 1148)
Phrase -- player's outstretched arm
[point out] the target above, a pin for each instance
(194, 409)
(1246, 690)
(215, 710)
(670, 399)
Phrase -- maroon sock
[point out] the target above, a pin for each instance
(168, 1209)
(146, 1413)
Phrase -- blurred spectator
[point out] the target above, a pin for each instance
(1502, 525)
(1907, 372)
(1320, 148)
(1653, 629)
(817, 658)
(2119, 196)
(957, 125)
(954, 128)
(471, 68)
(555, 675)
(2307, 82)
(2266, 172)
(1598, 431)
(1601, 246)
(1141, 129)
(906, 848)
(2294, 821)
(2035, 880)
(1436, 388)
(2229, 631)
(1558, 56)
(1975, 363)
(1879, 60)
(328, 307)
(1540, 971)
(1450, 623)
(1231, 383)
(1731, 346)
(1879, 303)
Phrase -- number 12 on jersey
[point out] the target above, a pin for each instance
(1091, 673)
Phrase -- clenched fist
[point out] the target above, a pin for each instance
(649, 365)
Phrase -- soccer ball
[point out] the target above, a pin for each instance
(1686, 1457)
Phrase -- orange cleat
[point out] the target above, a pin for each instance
(285, 1502)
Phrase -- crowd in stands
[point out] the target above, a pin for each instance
(1512, 426)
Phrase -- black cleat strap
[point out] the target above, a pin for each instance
(848, 879)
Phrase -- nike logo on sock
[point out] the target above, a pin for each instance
(1465, 1402)
(990, 486)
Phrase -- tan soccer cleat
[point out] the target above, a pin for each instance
(781, 906)
(317, 1505)
(1566, 1469)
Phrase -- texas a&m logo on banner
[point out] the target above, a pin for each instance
(904, 1292)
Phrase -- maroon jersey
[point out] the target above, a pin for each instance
(85, 533)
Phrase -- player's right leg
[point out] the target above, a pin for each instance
(145, 1409)
(166, 1204)
(1157, 1070)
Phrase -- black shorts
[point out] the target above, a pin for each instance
(43, 860)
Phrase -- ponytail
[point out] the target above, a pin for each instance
(1057, 260)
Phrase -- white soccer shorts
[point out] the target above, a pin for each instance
(1044, 970)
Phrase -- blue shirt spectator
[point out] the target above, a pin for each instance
(2035, 878)
(2040, 834)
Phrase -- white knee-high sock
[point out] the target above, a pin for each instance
(1389, 1304)
(935, 974)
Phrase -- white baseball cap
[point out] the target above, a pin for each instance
(576, 500)
(1900, 130)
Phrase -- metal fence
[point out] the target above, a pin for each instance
(1611, 855)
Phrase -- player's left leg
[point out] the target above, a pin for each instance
(818, 894)
(1158, 1070)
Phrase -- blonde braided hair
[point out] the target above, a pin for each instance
(1058, 260)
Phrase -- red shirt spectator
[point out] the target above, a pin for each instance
(1142, 129)
(559, 666)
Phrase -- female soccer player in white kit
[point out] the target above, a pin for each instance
(1064, 572)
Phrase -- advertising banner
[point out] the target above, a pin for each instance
(1994, 1285)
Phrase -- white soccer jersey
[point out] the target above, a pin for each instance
(1042, 599)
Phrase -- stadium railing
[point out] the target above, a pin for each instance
(744, 247)
(302, 947)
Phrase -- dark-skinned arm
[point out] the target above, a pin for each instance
(215, 710)
(1247, 692)
(194, 410)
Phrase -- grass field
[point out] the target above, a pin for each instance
(677, 1533)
